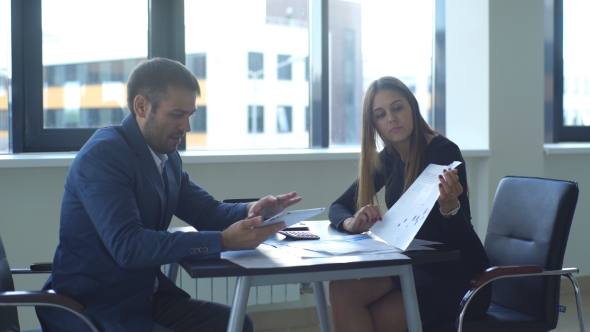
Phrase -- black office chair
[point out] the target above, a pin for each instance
(526, 240)
(10, 299)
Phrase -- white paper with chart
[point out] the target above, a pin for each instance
(404, 219)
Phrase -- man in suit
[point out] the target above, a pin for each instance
(120, 194)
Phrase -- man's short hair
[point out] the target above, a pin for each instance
(152, 78)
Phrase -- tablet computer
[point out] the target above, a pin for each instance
(291, 217)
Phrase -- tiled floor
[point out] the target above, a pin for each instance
(305, 320)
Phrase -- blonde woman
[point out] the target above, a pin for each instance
(391, 114)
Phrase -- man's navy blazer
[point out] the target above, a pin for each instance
(113, 236)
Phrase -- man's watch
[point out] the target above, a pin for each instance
(452, 212)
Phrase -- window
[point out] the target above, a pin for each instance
(199, 120)
(197, 63)
(255, 119)
(255, 65)
(575, 63)
(567, 111)
(5, 63)
(284, 67)
(197, 137)
(75, 79)
(364, 45)
(284, 119)
(241, 71)
(86, 69)
(306, 118)
(75, 95)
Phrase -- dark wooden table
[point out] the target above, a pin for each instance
(338, 268)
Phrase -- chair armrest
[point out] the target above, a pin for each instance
(48, 297)
(35, 268)
(42, 267)
(502, 271)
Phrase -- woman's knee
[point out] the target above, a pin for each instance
(337, 285)
(339, 290)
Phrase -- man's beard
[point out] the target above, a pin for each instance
(153, 136)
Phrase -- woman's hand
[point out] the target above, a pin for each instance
(365, 218)
(450, 189)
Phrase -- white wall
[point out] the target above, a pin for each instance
(495, 88)
(574, 167)
(467, 73)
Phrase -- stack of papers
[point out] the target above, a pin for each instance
(336, 249)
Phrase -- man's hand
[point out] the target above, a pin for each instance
(241, 235)
(270, 206)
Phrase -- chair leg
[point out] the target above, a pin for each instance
(578, 300)
(463, 308)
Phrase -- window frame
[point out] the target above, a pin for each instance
(166, 38)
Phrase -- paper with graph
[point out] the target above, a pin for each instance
(404, 219)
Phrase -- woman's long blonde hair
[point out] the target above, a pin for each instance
(369, 162)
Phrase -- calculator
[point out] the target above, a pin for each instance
(299, 235)
(302, 226)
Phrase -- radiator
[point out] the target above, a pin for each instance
(221, 290)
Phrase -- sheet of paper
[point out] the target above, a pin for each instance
(360, 244)
(357, 258)
(264, 256)
(334, 245)
(404, 219)
(304, 253)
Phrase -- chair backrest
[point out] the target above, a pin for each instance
(8, 315)
(529, 224)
